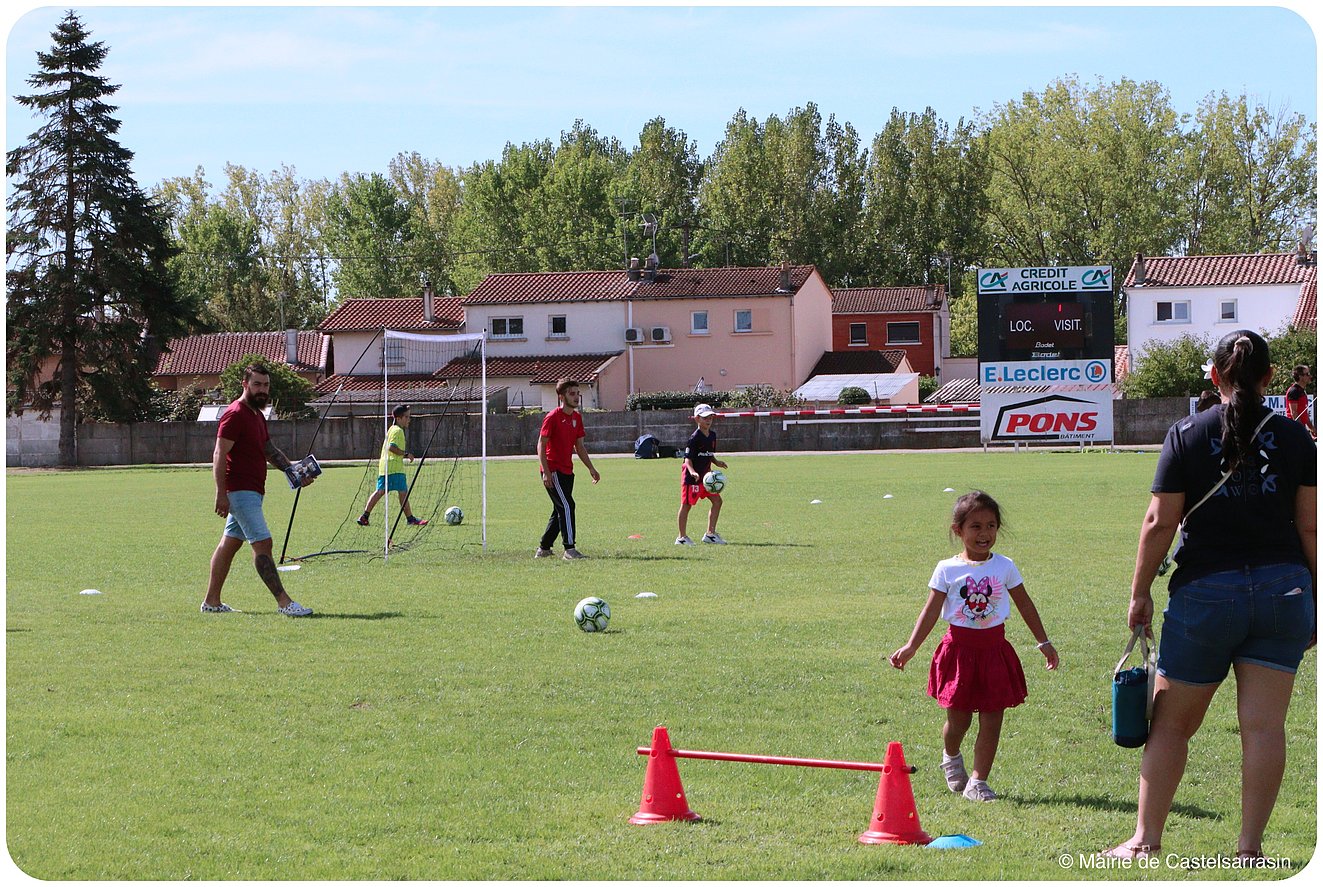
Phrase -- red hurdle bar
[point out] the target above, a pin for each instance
(770, 759)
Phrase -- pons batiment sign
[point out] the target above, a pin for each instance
(1065, 416)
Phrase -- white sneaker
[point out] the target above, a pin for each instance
(954, 771)
(713, 539)
(979, 791)
(219, 608)
(573, 554)
(684, 540)
(542, 552)
(294, 608)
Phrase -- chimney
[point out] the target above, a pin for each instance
(429, 309)
(784, 286)
(1139, 269)
(291, 347)
(650, 269)
(634, 272)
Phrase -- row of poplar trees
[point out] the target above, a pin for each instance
(1078, 174)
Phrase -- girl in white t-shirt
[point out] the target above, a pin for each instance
(974, 668)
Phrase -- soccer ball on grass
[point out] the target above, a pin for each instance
(592, 614)
(714, 481)
(454, 515)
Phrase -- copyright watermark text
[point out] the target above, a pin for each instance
(1102, 862)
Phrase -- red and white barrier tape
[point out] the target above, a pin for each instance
(860, 411)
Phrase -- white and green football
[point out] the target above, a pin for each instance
(454, 515)
(714, 481)
(592, 614)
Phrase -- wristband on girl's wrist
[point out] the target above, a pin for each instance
(1044, 644)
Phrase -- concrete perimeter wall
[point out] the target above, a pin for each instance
(30, 442)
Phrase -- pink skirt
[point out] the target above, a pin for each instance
(976, 669)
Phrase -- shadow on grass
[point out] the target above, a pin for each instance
(368, 617)
(1103, 802)
(644, 557)
(769, 545)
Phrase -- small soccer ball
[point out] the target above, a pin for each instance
(454, 515)
(592, 614)
(714, 481)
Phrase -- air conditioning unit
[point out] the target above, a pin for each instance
(661, 334)
(634, 335)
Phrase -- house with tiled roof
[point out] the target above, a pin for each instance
(530, 381)
(358, 349)
(663, 329)
(914, 319)
(198, 361)
(837, 363)
(1167, 297)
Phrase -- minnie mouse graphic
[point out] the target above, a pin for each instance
(977, 596)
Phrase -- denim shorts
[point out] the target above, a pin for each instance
(396, 481)
(1262, 615)
(246, 520)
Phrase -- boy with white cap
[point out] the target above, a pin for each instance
(699, 457)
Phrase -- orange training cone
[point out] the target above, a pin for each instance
(663, 795)
(895, 821)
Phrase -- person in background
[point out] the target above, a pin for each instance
(391, 474)
(1297, 399)
(560, 438)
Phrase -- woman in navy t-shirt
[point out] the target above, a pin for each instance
(1242, 596)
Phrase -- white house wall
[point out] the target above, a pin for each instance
(1261, 307)
(349, 347)
(591, 328)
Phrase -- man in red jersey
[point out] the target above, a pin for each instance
(561, 437)
(243, 448)
(1297, 400)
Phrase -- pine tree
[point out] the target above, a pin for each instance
(86, 279)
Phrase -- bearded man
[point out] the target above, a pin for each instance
(243, 449)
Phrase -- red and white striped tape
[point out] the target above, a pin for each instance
(860, 411)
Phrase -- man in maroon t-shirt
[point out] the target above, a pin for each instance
(243, 447)
(561, 437)
(1297, 400)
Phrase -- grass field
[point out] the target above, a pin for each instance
(440, 717)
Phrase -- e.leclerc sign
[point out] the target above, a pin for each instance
(1069, 279)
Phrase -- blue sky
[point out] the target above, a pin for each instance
(344, 89)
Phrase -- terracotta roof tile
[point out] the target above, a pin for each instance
(608, 286)
(1120, 362)
(406, 315)
(1306, 310)
(887, 299)
(403, 389)
(210, 353)
(537, 369)
(1242, 270)
(839, 363)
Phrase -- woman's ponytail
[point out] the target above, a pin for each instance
(1242, 362)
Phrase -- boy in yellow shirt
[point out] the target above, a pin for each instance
(392, 477)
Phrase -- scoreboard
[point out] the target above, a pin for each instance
(1045, 314)
(1045, 348)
